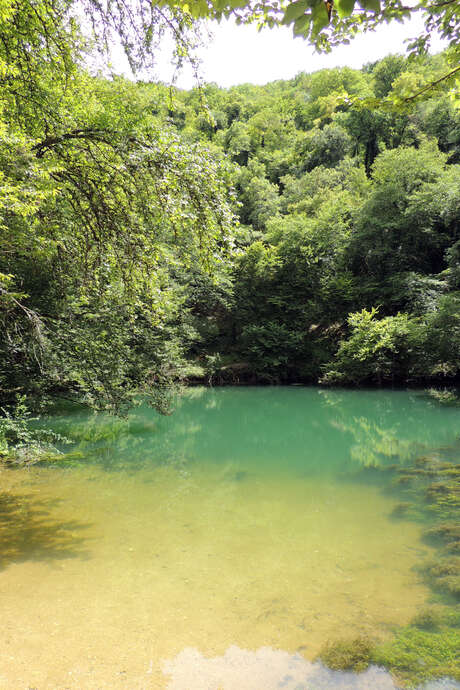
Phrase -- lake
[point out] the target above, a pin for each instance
(219, 547)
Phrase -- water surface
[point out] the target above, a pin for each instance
(236, 536)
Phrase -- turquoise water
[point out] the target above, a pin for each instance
(296, 429)
(219, 547)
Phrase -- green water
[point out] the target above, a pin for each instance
(284, 429)
(219, 547)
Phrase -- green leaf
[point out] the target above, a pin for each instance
(197, 9)
(373, 5)
(220, 5)
(294, 11)
(301, 25)
(344, 7)
(320, 17)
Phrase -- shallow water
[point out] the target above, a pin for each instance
(220, 547)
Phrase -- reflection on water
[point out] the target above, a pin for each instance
(270, 669)
(235, 524)
(306, 429)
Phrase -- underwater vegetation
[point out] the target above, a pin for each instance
(430, 487)
(347, 655)
(425, 650)
(428, 648)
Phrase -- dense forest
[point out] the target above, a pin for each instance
(345, 258)
(302, 231)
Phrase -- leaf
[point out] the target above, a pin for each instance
(320, 17)
(294, 11)
(373, 5)
(301, 24)
(197, 9)
(344, 7)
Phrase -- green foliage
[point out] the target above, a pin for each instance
(260, 202)
(104, 212)
(399, 347)
(328, 146)
(129, 211)
(20, 442)
(385, 73)
(396, 231)
(377, 350)
(441, 338)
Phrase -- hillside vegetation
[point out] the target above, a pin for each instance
(301, 231)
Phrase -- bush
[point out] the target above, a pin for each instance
(376, 351)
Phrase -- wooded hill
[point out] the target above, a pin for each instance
(302, 231)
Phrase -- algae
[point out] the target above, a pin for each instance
(347, 655)
(416, 654)
(428, 648)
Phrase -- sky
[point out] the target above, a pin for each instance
(241, 54)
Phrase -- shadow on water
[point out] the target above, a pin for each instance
(29, 533)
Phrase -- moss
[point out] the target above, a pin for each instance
(429, 491)
(445, 530)
(445, 567)
(437, 490)
(446, 466)
(451, 584)
(403, 479)
(452, 617)
(449, 533)
(417, 655)
(452, 547)
(428, 619)
(445, 575)
(423, 460)
(451, 471)
(401, 509)
(418, 472)
(347, 655)
(390, 468)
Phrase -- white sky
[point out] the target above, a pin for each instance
(241, 54)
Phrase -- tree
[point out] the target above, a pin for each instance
(98, 206)
(377, 350)
(404, 226)
(260, 198)
(385, 73)
(327, 147)
(399, 347)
